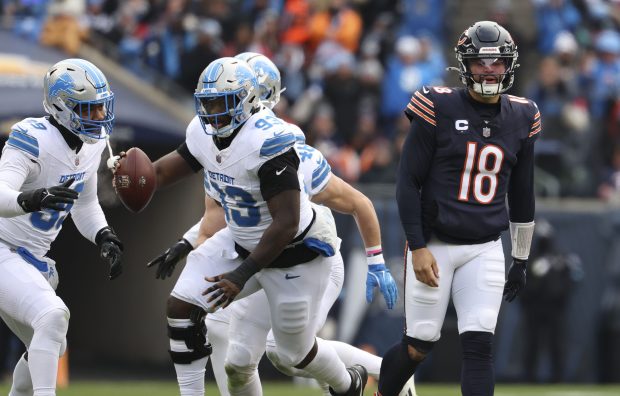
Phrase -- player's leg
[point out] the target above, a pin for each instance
(186, 308)
(425, 310)
(250, 323)
(218, 325)
(477, 295)
(31, 309)
(22, 382)
(294, 296)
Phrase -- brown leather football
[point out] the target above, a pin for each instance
(135, 180)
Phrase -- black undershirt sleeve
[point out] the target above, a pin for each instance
(521, 201)
(187, 156)
(279, 174)
(415, 162)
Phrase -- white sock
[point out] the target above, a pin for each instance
(44, 350)
(351, 355)
(217, 332)
(327, 367)
(22, 383)
(190, 377)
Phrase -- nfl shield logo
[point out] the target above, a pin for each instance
(77, 161)
(218, 158)
(486, 132)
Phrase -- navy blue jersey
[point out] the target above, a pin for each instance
(461, 162)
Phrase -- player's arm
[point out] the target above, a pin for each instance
(414, 166)
(522, 206)
(14, 168)
(89, 219)
(18, 162)
(175, 166)
(279, 186)
(340, 196)
(212, 221)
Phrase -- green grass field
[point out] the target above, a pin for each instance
(124, 388)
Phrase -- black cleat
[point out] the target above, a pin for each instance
(359, 377)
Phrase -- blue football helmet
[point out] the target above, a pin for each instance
(226, 96)
(268, 77)
(74, 89)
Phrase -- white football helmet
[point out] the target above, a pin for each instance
(72, 88)
(268, 77)
(226, 95)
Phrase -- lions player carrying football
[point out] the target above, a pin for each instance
(467, 149)
(273, 238)
(44, 152)
(247, 319)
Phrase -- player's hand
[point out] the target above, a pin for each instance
(379, 275)
(114, 163)
(515, 282)
(55, 198)
(425, 267)
(224, 290)
(111, 250)
(169, 259)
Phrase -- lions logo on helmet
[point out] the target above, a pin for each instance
(486, 40)
(268, 77)
(226, 95)
(74, 89)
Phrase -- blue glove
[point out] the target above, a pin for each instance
(379, 275)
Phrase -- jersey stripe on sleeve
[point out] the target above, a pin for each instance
(277, 144)
(24, 142)
(320, 173)
(536, 125)
(422, 107)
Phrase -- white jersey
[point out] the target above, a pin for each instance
(35, 156)
(313, 166)
(231, 175)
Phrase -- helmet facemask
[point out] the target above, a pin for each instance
(225, 96)
(477, 82)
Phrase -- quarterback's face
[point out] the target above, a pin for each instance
(487, 70)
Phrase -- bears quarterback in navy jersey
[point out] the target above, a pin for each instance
(466, 174)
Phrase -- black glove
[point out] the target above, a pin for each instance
(48, 198)
(168, 260)
(111, 250)
(517, 274)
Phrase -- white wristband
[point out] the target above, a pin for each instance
(191, 235)
(378, 259)
(521, 238)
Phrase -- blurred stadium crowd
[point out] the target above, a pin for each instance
(349, 67)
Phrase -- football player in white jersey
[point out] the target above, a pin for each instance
(47, 173)
(253, 325)
(272, 239)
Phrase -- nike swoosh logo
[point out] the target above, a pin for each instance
(279, 172)
(289, 276)
(425, 90)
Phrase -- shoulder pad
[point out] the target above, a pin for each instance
(421, 107)
(278, 144)
(20, 139)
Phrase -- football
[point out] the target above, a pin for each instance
(135, 180)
